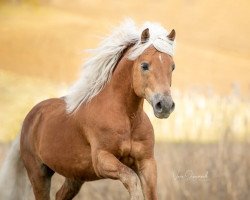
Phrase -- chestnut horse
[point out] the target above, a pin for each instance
(99, 130)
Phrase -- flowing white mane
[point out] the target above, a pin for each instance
(97, 70)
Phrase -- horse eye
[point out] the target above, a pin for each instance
(145, 66)
(173, 67)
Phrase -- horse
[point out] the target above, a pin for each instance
(99, 129)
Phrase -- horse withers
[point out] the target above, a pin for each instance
(99, 129)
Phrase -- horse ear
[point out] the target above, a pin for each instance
(145, 35)
(171, 35)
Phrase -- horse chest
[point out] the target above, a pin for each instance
(120, 140)
(125, 148)
(129, 148)
(129, 151)
(124, 153)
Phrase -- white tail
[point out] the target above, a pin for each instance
(14, 184)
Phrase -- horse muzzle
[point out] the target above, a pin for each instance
(163, 105)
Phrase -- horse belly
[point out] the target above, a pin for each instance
(67, 152)
(72, 162)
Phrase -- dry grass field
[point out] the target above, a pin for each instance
(202, 150)
(185, 171)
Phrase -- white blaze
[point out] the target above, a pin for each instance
(160, 58)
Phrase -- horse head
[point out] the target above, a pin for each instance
(152, 73)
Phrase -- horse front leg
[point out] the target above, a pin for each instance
(147, 172)
(108, 166)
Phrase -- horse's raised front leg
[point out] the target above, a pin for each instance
(69, 189)
(147, 173)
(108, 166)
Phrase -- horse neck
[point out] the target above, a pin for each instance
(121, 88)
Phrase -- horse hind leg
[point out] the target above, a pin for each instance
(40, 178)
(69, 189)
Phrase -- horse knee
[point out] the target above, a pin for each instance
(106, 165)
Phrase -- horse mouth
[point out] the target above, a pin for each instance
(161, 115)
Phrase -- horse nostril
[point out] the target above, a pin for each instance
(158, 106)
(173, 106)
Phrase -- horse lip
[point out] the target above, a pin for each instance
(161, 115)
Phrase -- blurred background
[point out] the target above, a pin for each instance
(203, 148)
